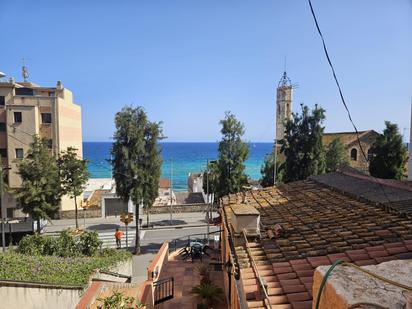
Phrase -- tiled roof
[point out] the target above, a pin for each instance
(164, 183)
(348, 138)
(396, 195)
(318, 225)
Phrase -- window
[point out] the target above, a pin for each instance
(2, 127)
(46, 118)
(19, 153)
(3, 152)
(354, 154)
(51, 94)
(10, 212)
(2, 101)
(18, 118)
(24, 91)
(49, 143)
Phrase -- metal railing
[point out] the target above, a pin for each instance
(163, 290)
(185, 240)
(262, 284)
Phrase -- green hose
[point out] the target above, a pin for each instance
(325, 278)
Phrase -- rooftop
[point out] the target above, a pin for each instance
(348, 138)
(310, 223)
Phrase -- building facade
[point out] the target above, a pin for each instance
(27, 109)
(350, 140)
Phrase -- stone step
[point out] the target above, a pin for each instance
(256, 304)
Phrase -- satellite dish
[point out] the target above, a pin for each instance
(2, 74)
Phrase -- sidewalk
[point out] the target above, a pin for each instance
(159, 221)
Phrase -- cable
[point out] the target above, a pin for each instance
(336, 80)
(342, 97)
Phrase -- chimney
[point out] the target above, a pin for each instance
(245, 217)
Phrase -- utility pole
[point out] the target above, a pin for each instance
(171, 191)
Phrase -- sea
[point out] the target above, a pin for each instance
(179, 159)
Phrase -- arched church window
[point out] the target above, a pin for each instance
(354, 154)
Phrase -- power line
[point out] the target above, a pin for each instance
(342, 97)
(336, 79)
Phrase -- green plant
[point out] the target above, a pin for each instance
(118, 301)
(336, 156)
(67, 244)
(40, 192)
(89, 243)
(302, 145)
(73, 175)
(204, 272)
(57, 270)
(136, 159)
(209, 293)
(388, 154)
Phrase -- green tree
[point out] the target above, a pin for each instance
(153, 163)
(73, 176)
(302, 145)
(40, 192)
(268, 170)
(232, 154)
(336, 155)
(389, 154)
(135, 144)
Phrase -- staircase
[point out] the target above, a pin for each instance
(252, 288)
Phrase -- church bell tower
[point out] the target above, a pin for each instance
(283, 106)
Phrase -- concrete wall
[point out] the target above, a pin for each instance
(178, 208)
(32, 296)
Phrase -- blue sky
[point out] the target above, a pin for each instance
(187, 62)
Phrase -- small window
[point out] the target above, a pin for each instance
(51, 94)
(354, 154)
(49, 143)
(2, 101)
(18, 118)
(24, 91)
(2, 127)
(46, 118)
(10, 212)
(19, 153)
(3, 152)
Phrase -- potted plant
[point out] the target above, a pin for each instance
(209, 294)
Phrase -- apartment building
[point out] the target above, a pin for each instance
(27, 109)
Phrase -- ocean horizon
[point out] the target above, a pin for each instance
(179, 159)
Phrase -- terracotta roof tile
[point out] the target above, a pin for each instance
(318, 226)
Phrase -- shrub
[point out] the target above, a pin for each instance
(118, 301)
(208, 293)
(89, 243)
(67, 244)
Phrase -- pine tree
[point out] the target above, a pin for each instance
(302, 145)
(336, 156)
(268, 170)
(389, 155)
(233, 152)
(73, 176)
(40, 192)
(136, 159)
